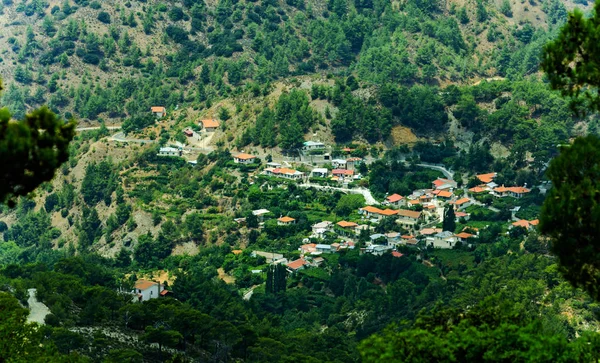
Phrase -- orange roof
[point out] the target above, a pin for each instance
(160, 109)
(396, 254)
(374, 210)
(444, 194)
(164, 292)
(462, 201)
(414, 202)
(345, 224)
(477, 190)
(428, 231)
(408, 236)
(486, 178)
(518, 190)
(294, 265)
(464, 235)
(460, 214)
(347, 149)
(237, 252)
(244, 156)
(371, 209)
(342, 172)
(284, 171)
(501, 189)
(210, 123)
(286, 219)
(144, 284)
(394, 198)
(353, 159)
(522, 223)
(535, 222)
(409, 213)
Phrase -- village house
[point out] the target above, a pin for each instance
(342, 173)
(308, 248)
(393, 238)
(260, 214)
(376, 213)
(319, 173)
(479, 189)
(443, 194)
(284, 173)
(363, 227)
(158, 111)
(272, 258)
(443, 184)
(272, 164)
(297, 265)
(408, 219)
(528, 225)
(445, 239)
(339, 164)
(209, 125)
(486, 178)
(318, 261)
(188, 132)
(378, 238)
(323, 248)
(244, 158)
(319, 229)
(285, 221)
(352, 163)
(515, 192)
(464, 237)
(395, 200)
(462, 203)
(169, 151)
(459, 215)
(146, 290)
(397, 254)
(313, 145)
(377, 250)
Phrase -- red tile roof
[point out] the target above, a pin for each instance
(486, 178)
(156, 109)
(244, 156)
(464, 235)
(210, 123)
(462, 201)
(521, 223)
(345, 224)
(294, 265)
(409, 213)
(518, 190)
(342, 172)
(394, 198)
(444, 194)
(535, 222)
(375, 210)
(286, 219)
(396, 254)
(478, 190)
(144, 284)
(164, 292)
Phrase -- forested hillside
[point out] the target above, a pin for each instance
(438, 125)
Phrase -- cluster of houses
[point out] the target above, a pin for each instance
(488, 186)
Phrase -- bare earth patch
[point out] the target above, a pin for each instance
(403, 135)
(225, 277)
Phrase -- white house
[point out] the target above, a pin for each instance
(146, 290)
(445, 239)
(244, 158)
(260, 214)
(319, 173)
(377, 250)
(313, 145)
(158, 111)
(324, 248)
(284, 173)
(319, 229)
(395, 200)
(169, 151)
(408, 219)
(339, 163)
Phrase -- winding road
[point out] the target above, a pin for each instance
(447, 173)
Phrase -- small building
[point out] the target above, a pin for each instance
(319, 173)
(318, 261)
(430, 231)
(377, 237)
(285, 221)
(377, 250)
(376, 213)
(463, 215)
(158, 111)
(260, 214)
(270, 256)
(393, 238)
(320, 229)
(313, 145)
(169, 151)
(395, 200)
(408, 219)
(528, 225)
(188, 132)
(339, 164)
(296, 265)
(479, 189)
(486, 178)
(518, 192)
(443, 194)
(352, 163)
(443, 184)
(323, 248)
(342, 173)
(272, 164)
(244, 158)
(464, 237)
(308, 248)
(209, 125)
(284, 173)
(396, 254)
(445, 239)
(462, 203)
(146, 290)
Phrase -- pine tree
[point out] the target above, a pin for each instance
(449, 223)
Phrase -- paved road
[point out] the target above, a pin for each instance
(79, 129)
(120, 137)
(365, 192)
(447, 173)
(37, 310)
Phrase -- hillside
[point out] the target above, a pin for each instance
(414, 224)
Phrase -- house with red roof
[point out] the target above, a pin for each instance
(515, 192)
(158, 111)
(443, 184)
(374, 212)
(342, 173)
(284, 173)
(145, 290)
(285, 221)
(395, 200)
(296, 265)
(528, 225)
(244, 158)
(464, 237)
(486, 178)
(462, 203)
(209, 125)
